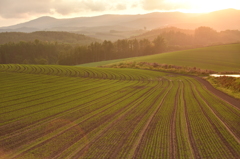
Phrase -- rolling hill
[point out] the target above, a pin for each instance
(187, 38)
(216, 58)
(50, 36)
(219, 20)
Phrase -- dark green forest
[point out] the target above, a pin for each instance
(40, 52)
(71, 49)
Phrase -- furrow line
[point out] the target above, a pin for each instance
(88, 117)
(69, 92)
(33, 91)
(138, 140)
(55, 90)
(218, 117)
(72, 109)
(57, 99)
(173, 139)
(192, 142)
(132, 106)
(216, 129)
(212, 126)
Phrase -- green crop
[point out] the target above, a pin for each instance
(82, 112)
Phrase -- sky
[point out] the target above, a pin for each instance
(17, 11)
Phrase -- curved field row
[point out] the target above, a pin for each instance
(73, 112)
(124, 74)
(207, 136)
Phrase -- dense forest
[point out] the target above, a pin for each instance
(40, 52)
(70, 51)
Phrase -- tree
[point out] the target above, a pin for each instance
(205, 35)
(145, 47)
(159, 44)
(41, 61)
(2, 58)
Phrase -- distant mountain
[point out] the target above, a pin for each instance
(130, 25)
(152, 34)
(51, 36)
(187, 38)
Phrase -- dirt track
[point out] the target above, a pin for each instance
(229, 99)
(233, 101)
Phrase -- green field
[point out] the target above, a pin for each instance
(101, 63)
(217, 58)
(82, 112)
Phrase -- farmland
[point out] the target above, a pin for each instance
(217, 58)
(81, 112)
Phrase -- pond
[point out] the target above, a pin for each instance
(228, 75)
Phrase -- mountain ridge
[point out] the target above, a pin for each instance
(219, 20)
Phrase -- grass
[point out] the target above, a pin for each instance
(74, 112)
(216, 58)
(229, 85)
(101, 63)
(162, 67)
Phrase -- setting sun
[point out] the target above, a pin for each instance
(201, 6)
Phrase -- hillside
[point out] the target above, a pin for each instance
(50, 36)
(130, 25)
(158, 31)
(216, 58)
(186, 38)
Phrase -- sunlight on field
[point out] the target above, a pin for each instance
(2, 154)
(82, 112)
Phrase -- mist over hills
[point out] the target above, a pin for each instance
(49, 36)
(113, 27)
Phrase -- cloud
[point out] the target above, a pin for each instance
(26, 8)
(21, 8)
(121, 7)
(162, 5)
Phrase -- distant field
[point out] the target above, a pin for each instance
(216, 58)
(101, 63)
(79, 112)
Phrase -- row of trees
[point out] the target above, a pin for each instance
(202, 36)
(112, 50)
(29, 52)
(171, 39)
(39, 52)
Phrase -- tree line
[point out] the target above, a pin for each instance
(41, 52)
(152, 42)
(181, 39)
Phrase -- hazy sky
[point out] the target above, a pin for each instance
(16, 11)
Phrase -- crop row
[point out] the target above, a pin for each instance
(102, 73)
(70, 112)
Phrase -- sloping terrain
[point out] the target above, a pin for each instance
(50, 36)
(79, 112)
(216, 58)
(114, 27)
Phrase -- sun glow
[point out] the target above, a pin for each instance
(201, 6)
